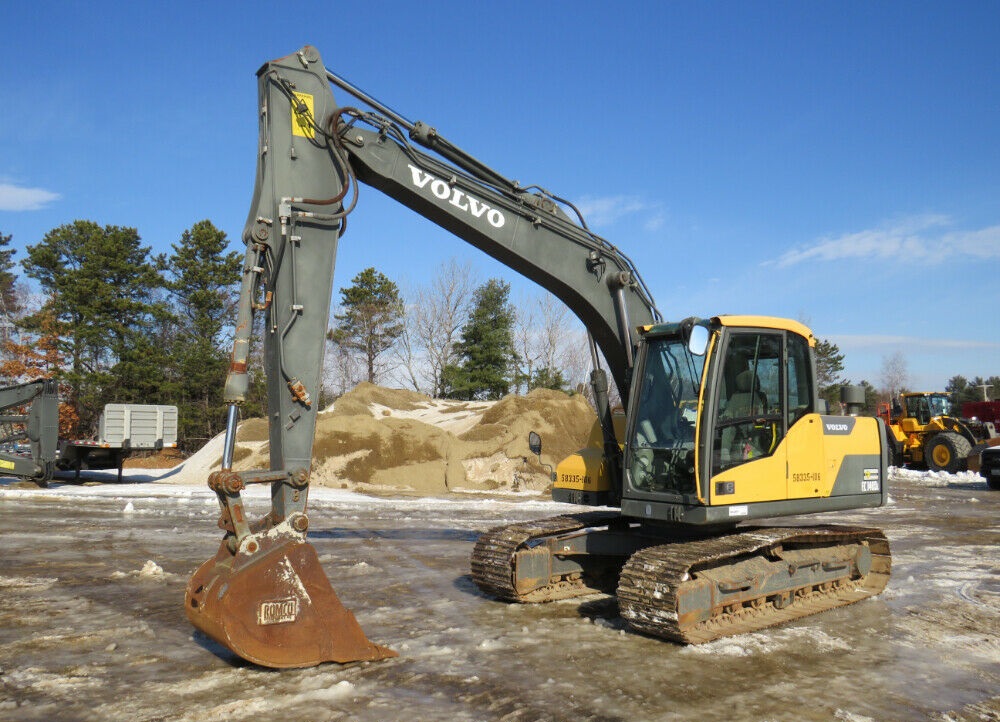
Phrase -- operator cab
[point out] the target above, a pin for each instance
(925, 407)
(742, 407)
(709, 427)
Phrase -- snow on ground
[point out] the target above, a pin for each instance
(937, 478)
(91, 625)
(456, 417)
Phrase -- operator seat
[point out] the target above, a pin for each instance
(746, 400)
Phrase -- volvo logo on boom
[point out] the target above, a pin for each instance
(456, 197)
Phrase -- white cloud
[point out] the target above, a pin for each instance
(923, 239)
(19, 198)
(606, 210)
(654, 222)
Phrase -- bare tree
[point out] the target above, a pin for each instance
(525, 342)
(556, 323)
(577, 365)
(574, 358)
(434, 318)
(552, 345)
(894, 375)
(342, 371)
(410, 370)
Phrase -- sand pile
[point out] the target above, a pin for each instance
(381, 440)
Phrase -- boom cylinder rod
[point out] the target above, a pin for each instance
(229, 445)
(361, 95)
(595, 360)
(428, 137)
(623, 324)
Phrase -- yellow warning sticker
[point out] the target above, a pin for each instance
(303, 117)
(4, 464)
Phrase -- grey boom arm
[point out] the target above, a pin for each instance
(311, 152)
(40, 429)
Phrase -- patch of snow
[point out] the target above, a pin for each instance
(341, 690)
(847, 716)
(501, 491)
(151, 569)
(936, 478)
(746, 645)
(454, 416)
(33, 583)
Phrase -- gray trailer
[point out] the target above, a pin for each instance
(123, 429)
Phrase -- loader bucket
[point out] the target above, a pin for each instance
(272, 604)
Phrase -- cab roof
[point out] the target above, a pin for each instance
(735, 321)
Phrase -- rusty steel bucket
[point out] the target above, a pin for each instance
(272, 604)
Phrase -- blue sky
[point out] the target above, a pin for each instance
(836, 163)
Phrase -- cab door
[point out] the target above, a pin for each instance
(804, 442)
(748, 461)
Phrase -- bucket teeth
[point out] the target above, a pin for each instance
(272, 604)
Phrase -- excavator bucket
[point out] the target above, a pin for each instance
(272, 604)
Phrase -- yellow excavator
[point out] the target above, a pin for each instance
(722, 422)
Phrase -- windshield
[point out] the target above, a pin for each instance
(924, 408)
(662, 437)
(940, 404)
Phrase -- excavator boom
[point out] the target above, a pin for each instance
(264, 594)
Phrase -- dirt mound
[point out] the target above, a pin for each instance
(362, 397)
(164, 459)
(563, 421)
(382, 440)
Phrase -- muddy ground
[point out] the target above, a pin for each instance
(92, 626)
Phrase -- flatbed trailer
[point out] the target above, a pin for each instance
(123, 430)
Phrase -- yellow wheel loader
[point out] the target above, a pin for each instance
(922, 432)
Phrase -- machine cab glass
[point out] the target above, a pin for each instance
(765, 387)
(662, 432)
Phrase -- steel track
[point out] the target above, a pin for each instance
(655, 579)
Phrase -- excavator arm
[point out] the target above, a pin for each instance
(264, 595)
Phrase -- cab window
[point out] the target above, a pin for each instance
(750, 419)
(800, 397)
(666, 408)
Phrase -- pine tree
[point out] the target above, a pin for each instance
(829, 366)
(486, 349)
(8, 279)
(204, 283)
(871, 398)
(547, 378)
(101, 286)
(370, 321)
